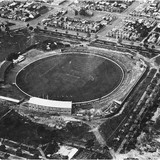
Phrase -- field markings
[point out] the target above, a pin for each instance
(47, 71)
(70, 75)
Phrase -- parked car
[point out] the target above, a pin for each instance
(19, 59)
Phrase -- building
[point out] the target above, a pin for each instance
(50, 106)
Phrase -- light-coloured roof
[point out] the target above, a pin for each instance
(67, 151)
(10, 99)
(50, 103)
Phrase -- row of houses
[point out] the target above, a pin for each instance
(108, 6)
(73, 24)
(148, 10)
(22, 11)
(124, 35)
(133, 29)
(154, 38)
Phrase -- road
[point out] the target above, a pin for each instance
(98, 136)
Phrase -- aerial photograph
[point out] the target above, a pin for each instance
(80, 79)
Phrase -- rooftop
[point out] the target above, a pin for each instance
(50, 103)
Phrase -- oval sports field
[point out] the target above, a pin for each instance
(70, 77)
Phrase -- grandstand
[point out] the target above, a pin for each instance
(9, 99)
(50, 106)
(4, 66)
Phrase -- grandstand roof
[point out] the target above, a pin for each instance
(10, 99)
(50, 103)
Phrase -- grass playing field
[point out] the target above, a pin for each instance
(72, 77)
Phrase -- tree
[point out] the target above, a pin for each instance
(30, 28)
(77, 34)
(76, 12)
(12, 56)
(36, 29)
(66, 31)
(153, 47)
(145, 45)
(3, 148)
(41, 131)
(119, 40)
(96, 36)
(69, 126)
(89, 143)
(52, 148)
(45, 27)
(28, 25)
(82, 11)
(6, 156)
(139, 48)
(7, 29)
(36, 156)
(19, 152)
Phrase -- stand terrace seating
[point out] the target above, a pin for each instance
(3, 68)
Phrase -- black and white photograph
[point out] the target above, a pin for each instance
(80, 79)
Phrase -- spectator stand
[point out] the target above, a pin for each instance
(107, 6)
(4, 67)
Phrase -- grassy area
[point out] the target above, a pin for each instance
(17, 128)
(14, 43)
(20, 129)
